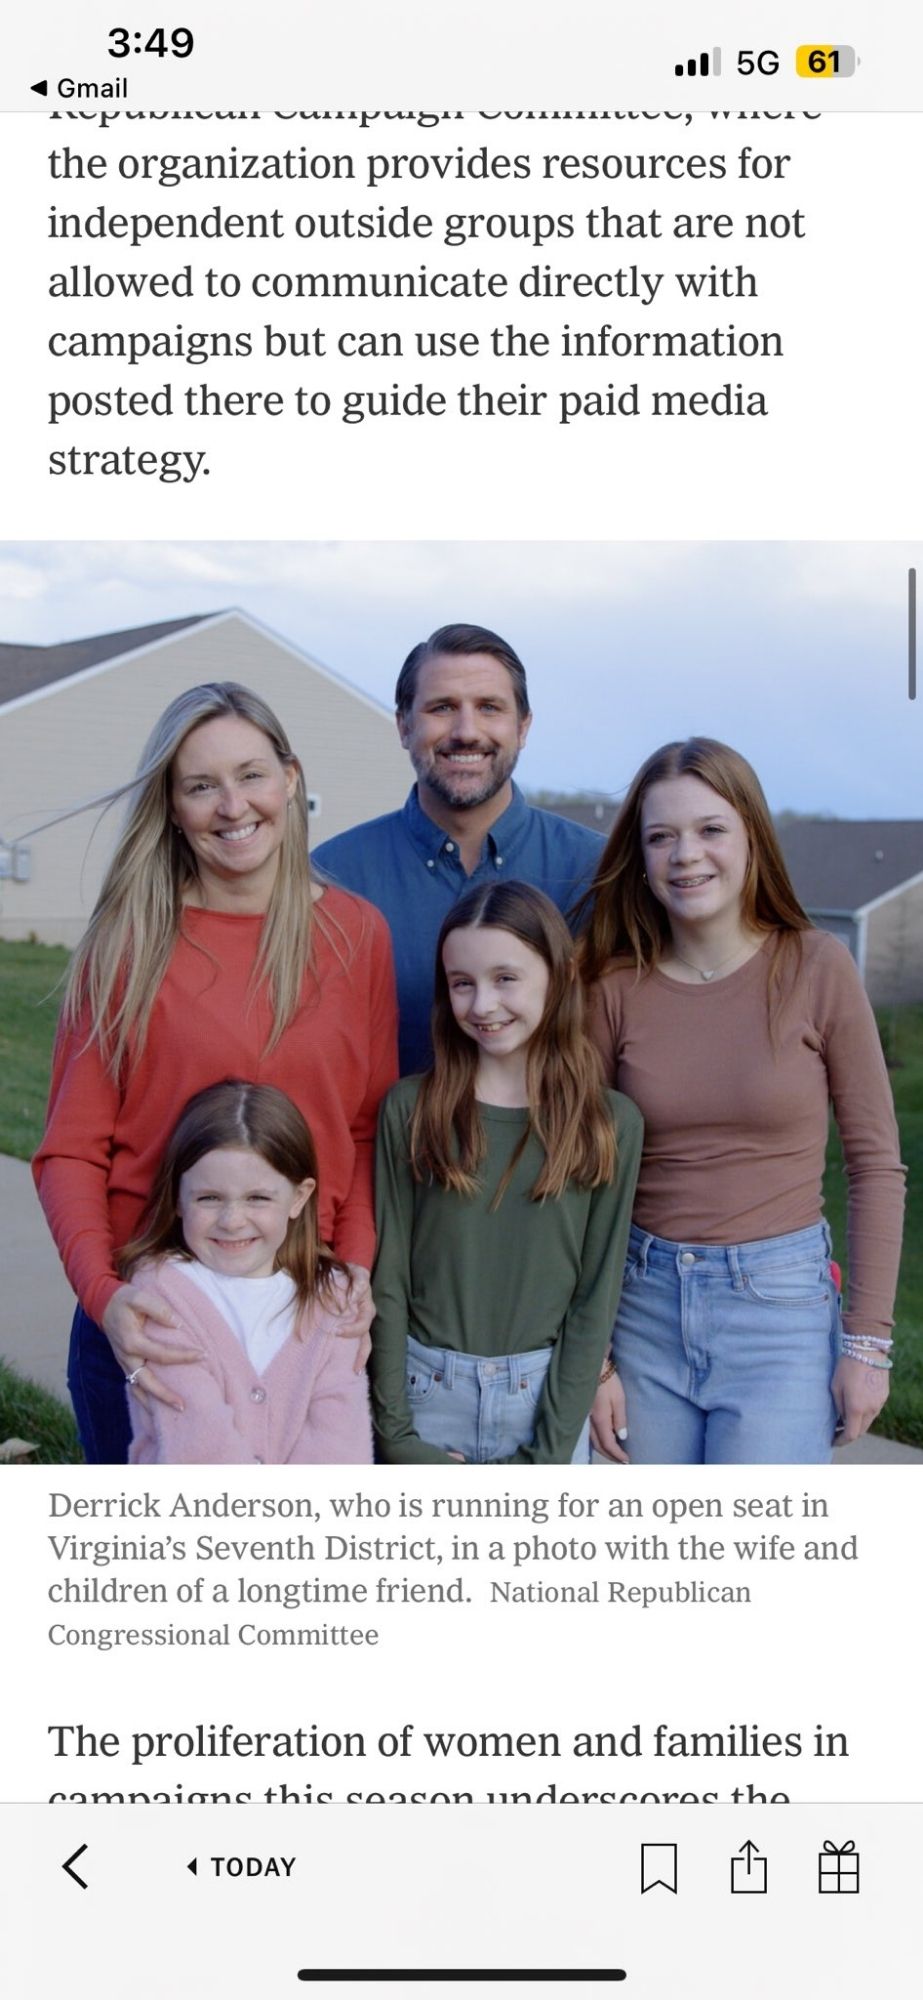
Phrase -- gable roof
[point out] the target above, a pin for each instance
(844, 865)
(26, 669)
(41, 668)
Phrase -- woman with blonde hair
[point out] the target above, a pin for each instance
(735, 1025)
(210, 952)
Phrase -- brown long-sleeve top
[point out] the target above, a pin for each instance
(736, 1108)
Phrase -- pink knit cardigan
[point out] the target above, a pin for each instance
(309, 1408)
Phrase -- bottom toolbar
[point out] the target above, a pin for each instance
(231, 1900)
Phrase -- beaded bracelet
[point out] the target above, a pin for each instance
(867, 1360)
(607, 1371)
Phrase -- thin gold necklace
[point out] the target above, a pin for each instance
(713, 970)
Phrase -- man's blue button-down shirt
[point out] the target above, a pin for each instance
(411, 871)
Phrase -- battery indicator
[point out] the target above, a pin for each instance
(825, 59)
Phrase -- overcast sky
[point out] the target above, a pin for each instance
(796, 653)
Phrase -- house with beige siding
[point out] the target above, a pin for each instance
(74, 719)
(862, 879)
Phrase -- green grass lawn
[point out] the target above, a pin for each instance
(29, 1002)
(903, 1034)
(29, 1413)
(30, 973)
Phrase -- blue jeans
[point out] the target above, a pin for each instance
(726, 1353)
(483, 1407)
(97, 1388)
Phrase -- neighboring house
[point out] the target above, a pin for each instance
(594, 809)
(862, 879)
(74, 719)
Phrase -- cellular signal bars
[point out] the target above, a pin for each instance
(703, 65)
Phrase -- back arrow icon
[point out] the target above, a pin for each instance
(72, 1872)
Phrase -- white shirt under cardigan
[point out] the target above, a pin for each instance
(259, 1311)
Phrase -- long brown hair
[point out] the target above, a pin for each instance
(625, 920)
(117, 969)
(568, 1112)
(250, 1117)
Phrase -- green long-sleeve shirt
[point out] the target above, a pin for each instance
(530, 1275)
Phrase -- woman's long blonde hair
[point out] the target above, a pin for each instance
(568, 1110)
(625, 920)
(118, 966)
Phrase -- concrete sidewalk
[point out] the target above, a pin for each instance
(36, 1301)
(37, 1306)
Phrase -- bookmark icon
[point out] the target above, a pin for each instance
(658, 1865)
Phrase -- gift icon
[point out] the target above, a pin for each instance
(838, 1869)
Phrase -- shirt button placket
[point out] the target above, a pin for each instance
(258, 1397)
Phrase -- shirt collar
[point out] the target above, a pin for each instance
(430, 840)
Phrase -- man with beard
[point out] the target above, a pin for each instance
(463, 716)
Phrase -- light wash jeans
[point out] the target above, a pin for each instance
(483, 1407)
(726, 1353)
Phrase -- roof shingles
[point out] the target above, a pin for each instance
(26, 669)
(845, 864)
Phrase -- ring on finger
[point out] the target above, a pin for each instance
(131, 1379)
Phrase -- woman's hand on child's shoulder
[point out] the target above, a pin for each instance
(126, 1324)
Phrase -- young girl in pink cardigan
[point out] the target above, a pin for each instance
(230, 1243)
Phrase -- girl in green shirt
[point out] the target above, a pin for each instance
(504, 1185)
